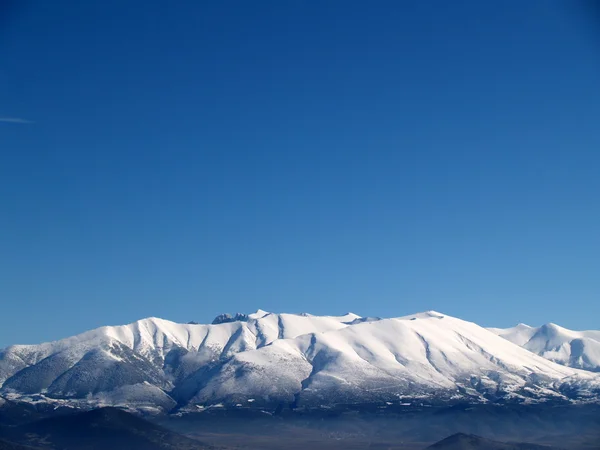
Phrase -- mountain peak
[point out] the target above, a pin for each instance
(425, 315)
(579, 349)
(259, 314)
(551, 330)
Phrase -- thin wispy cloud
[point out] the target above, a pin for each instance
(15, 120)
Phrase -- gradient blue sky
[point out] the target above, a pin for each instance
(191, 158)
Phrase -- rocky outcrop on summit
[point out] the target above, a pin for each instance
(227, 318)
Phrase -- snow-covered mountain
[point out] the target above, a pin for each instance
(579, 349)
(298, 360)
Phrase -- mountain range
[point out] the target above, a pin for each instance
(268, 360)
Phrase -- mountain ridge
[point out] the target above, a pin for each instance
(578, 349)
(297, 359)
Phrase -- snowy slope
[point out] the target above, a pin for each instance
(151, 350)
(425, 355)
(301, 359)
(579, 349)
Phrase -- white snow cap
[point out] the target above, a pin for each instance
(308, 358)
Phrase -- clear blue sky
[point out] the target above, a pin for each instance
(190, 158)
